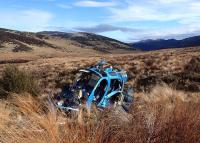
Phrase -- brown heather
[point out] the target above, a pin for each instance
(163, 115)
(17, 81)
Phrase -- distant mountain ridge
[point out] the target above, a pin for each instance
(149, 45)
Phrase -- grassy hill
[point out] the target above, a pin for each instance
(89, 40)
(17, 46)
(51, 44)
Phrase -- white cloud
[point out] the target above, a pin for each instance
(89, 3)
(171, 1)
(194, 6)
(157, 11)
(35, 16)
(30, 20)
(65, 6)
(162, 33)
(135, 13)
(183, 15)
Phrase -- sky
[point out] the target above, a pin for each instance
(125, 20)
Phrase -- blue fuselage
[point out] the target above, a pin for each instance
(106, 77)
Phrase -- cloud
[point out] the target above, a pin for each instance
(64, 6)
(171, 1)
(157, 10)
(35, 16)
(104, 28)
(30, 20)
(89, 3)
(159, 18)
(135, 13)
(169, 33)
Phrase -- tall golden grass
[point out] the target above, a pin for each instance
(164, 115)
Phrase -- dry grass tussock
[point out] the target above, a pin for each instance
(17, 81)
(164, 115)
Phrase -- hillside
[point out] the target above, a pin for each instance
(149, 45)
(20, 41)
(88, 40)
(16, 41)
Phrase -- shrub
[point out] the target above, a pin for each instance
(193, 65)
(17, 81)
